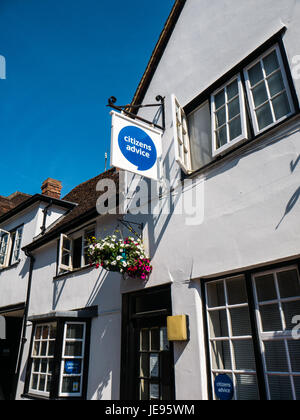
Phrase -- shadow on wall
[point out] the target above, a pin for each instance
(290, 205)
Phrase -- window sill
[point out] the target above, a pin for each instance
(75, 271)
(240, 148)
(9, 267)
(45, 398)
(34, 397)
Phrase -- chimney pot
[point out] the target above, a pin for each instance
(52, 188)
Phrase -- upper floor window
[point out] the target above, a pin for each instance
(228, 115)
(73, 250)
(250, 102)
(10, 246)
(268, 91)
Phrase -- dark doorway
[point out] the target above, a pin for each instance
(9, 348)
(147, 356)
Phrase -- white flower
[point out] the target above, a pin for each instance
(119, 257)
(124, 263)
(114, 263)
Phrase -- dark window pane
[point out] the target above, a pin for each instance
(247, 387)
(240, 321)
(144, 390)
(236, 291)
(276, 358)
(75, 331)
(289, 284)
(270, 317)
(290, 309)
(221, 117)
(218, 324)
(73, 348)
(71, 385)
(42, 383)
(244, 355)
(260, 94)
(77, 251)
(271, 63)
(255, 74)
(235, 128)
(155, 339)
(232, 90)
(221, 137)
(281, 106)
(264, 116)
(275, 83)
(220, 355)
(144, 340)
(280, 388)
(215, 294)
(34, 382)
(220, 99)
(294, 350)
(234, 108)
(265, 287)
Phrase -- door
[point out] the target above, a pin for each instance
(9, 348)
(147, 356)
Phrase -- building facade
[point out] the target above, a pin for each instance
(228, 73)
(220, 226)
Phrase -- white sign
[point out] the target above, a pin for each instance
(135, 147)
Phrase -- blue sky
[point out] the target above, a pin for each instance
(64, 59)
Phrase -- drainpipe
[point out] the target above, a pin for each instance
(45, 211)
(24, 327)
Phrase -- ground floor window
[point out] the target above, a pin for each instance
(251, 321)
(57, 366)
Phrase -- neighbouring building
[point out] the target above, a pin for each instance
(22, 217)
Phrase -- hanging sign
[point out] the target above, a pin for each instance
(135, 147)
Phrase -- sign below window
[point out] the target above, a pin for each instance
(135, 147)
(73, 367)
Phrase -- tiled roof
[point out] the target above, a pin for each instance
(12, 201)
(85, 196)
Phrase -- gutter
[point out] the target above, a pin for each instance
(23, 339)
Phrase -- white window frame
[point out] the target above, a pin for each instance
(84, 245)
(244, 136)
(283, 335)
(181, 136)
(64, 357)
(39, 357)
(230, 338)
(61, 266)
(7, 249)
(253, 108)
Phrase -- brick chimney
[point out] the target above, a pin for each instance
(52, 188)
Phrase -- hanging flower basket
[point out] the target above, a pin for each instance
(118, 255)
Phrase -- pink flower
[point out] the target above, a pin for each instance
(143, 276)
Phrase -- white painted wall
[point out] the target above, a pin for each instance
(85, 288)
(13, 281)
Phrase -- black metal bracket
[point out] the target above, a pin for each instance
(125, 108)
(128, 224)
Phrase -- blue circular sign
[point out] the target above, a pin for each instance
(224, 388)
(137, 147)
